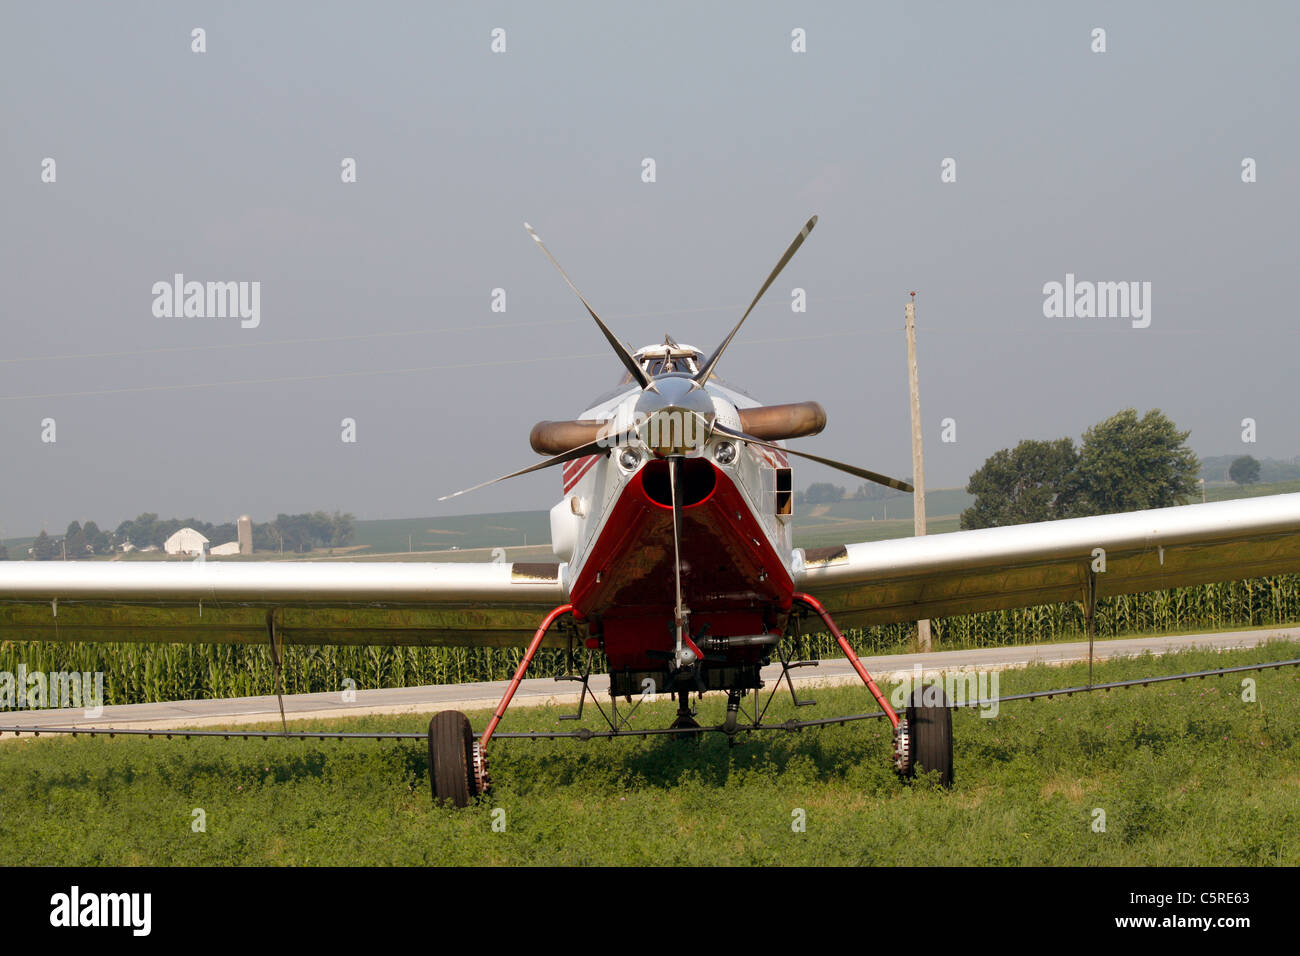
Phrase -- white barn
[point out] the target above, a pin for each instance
(186, 541)
(221, 550)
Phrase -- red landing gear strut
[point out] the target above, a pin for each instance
(811, 602)
(922, 739)
(458, 762)
(529, 654)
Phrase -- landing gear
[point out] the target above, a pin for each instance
(923, 739)
(457, 764)
(685, 716)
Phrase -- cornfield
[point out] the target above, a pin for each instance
(135, 673)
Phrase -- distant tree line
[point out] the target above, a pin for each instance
(824, 493)
(302, 533)
(299, 533)
(1228, 468)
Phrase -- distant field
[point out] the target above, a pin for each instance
(938, 502)
(842, 532)
(1187, 774)
(455, 531)
(1227, 492)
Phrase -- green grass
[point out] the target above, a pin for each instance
(1187, 774)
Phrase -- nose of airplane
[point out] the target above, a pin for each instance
(675, 392)
(673, 420)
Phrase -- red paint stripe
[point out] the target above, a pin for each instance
(581, 465)
(577, 462)
(570, 481)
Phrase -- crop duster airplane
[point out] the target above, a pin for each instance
(674, 561)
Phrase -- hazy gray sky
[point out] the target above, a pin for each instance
(375, 295)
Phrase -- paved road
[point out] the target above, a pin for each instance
(419, 700)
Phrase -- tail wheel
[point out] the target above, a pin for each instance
(457, 765)
(923, 739)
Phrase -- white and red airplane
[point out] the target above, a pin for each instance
(674, 561)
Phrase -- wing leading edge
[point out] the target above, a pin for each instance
(881, 582)
(310, 602)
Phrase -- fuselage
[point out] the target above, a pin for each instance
(613, 530)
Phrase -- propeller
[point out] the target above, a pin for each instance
(707, 370)
(624, 353)
(678, 398)
(829, 462)
(598, 447)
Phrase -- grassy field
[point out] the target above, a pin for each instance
(1229, 491)
(1185, 773)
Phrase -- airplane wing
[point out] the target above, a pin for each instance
(907, 579)
(310, 602)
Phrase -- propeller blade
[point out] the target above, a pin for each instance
(598, 447)
(624, 353)
(703, 375)
(829, 462)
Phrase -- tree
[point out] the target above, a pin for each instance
(316, 529)
(1029, 483)
(140, 532)
(1244, 470)
(870, 491)
(344, 531)
(43, 547)
(823, 492)
(1130, 464)
(74, 540)
(99, 541)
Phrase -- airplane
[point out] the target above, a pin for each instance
(674, 564)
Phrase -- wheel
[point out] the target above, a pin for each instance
(928, 744)
(455, 774)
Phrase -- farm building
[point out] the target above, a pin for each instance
(186, 541)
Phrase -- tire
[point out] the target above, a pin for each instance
(451, 759)
(929, 723)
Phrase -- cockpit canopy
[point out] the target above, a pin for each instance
(666, 359)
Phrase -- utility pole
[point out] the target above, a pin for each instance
(918, 463)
